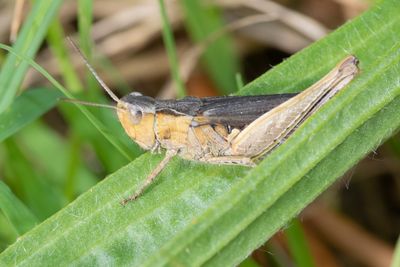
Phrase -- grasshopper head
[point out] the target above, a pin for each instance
(137, 114)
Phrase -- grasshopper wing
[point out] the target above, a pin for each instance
(236, 111)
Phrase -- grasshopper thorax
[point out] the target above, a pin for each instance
(137, 114)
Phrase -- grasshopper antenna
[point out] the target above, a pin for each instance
(99, 80)
(86, 103)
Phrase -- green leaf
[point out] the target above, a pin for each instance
(56, 41)
(249, 263)
(298, 246)
(15, 211)
(396, 256)
(47, 144)
(8, 234)
(85, 17)
(40, 196)
(28, 41)
(26, 108)
(216, 215)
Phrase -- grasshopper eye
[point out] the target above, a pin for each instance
(135, 115)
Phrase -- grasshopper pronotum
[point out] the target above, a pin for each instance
(221, 130)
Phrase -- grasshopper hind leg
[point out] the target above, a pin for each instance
(273, 127)
(230, 160)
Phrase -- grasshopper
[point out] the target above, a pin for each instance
(221, 130)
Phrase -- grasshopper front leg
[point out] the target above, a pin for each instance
(150, 178)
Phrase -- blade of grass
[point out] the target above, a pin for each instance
(249, 262)
(395, 145)
(16, 212)
(31, 35)
(239, 81)
(8, 234)
(72, 167)
(85, 17)
(171, 51)
(396, 256)
(198, 213)
(25, 109)
(297, 244)
(55, 39)
(53, 169)
(40, 196)
(201, 20)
